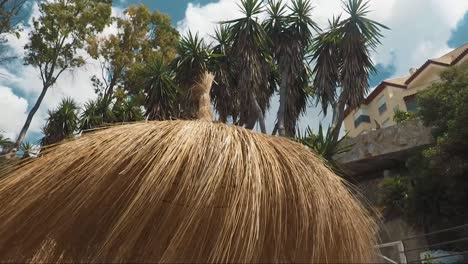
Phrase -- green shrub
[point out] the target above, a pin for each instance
(403, 116)
(393, 195)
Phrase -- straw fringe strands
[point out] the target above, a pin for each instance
(202, 91)
(180, 191)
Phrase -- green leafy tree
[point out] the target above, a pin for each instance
(343, 62)
(163, 39)
(57, 35)
(9, 18)
(161, 44)
(443, 106)
(116, 52)
(436, 179)
(142, 37)
(253, 65)
(291, 36)
(9, 11)
(441, 177)
(62, 123)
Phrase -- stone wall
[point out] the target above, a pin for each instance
(384, 141)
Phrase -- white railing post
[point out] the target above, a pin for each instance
(401, 251)
(400, 248)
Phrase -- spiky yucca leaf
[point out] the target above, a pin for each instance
(62, 122)
(250, 47)
(291, 35)
(193, 61)
(224, 94)
(162, 91)
(323, 144)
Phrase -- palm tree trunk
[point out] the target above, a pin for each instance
(260, 117)
(338, 116)
(282, 105)
(275, 130)
(257, 115)
(31, 114)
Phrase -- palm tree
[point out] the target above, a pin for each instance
(28, 149)
(326, 53)
(96, 113)
(190, 66)
(342, 56)
(90, 117)
(5, 143)
(62, 123)
(323, 145)
(127, 110)
(250, 48)
(291, 36)
(162, 91)
(224, 93)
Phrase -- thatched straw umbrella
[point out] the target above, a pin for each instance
(180, 191)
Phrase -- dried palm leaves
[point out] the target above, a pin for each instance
(180, 191)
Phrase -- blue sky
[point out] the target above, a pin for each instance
(420, 29)
(175, 8)
(459, 34)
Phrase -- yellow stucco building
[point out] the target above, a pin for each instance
(399, 94)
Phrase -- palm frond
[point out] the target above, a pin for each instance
(29, 149)
(291, 36)
(323, 145)
(342, 56)
(251, 49)
(360, 36)
(326, 55)
(302, 22)
(224, 93)
(4, 141)
(62, 122)
(195, 57)
(162, 92)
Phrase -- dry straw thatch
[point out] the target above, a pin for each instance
(180, 191)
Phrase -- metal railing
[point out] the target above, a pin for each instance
(457, 234)
(400, 249)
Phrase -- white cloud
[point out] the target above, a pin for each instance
(13, 107)
(419, 28)
(203, 18)
(419, 31)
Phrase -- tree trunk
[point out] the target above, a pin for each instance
(110, 90)
(275, 129)
(31, 114)
(338, 116)
(282, 105)
(257, 117)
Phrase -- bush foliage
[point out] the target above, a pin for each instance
(437, 183)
